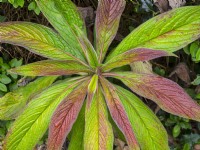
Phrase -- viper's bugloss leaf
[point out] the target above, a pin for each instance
(107, 23)
(139, 54)
(87, 48)
(34, 121)
(166, 93)
(36, 38)
(63, 16)
(168, 31)
(77, 132)
(98, 130)
(14, 102)
(118, 113)
(144, 122)
(51, 67)
(65, 116)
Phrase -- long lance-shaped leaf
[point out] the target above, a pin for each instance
(14, 102)
(51, 67)
(118, 113)
(77, 132)
(143, 121)
(36, 38)
(169, 31)
(139, 54)
(87, 48)
(98, 130)
(65, 116)
(63, 15)
(166, 93)
(31, 125)
(107, 23)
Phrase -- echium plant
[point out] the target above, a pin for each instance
(86, 107)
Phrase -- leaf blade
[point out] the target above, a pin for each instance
(135, 55)
(98, 131)
(13, 102)
(36, 38)
(171, 31)
(118, 113)
(145, 124)
(50, 67)
(34, 121)
(63, 15)
(65, 116)
(166, 93)
(107, 23)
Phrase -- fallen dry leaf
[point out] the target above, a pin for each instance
(182, 72)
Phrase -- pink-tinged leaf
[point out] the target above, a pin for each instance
(65, 116)
(166, 93)
(37, 39)
(98, 130)
(107, 22)
(139, 54)
(51, 67)
(118, 113)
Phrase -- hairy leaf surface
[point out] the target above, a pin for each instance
(139, 54)
(107, 23)
(166, 93)
(169, 31)
(65, 116)
(34, 121)
(143, 121)
(14, 102)
(118, 113)
(50, 67)
(98, 130)
(63, 15)
(36, 38)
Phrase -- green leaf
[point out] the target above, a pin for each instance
(176, 131)
(107, 23)
(32, 6)
(14, 102)
(15, 63)
(51, 67)
(77, 132)
(36, 38)
(144, 122)
(3, 87)
(20, 2)
(197, 80)
(98, 130)
(87, 48)
(5, 79)
(32, 124)
(169, 31)
(63, 18)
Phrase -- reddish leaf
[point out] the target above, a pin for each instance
(118, 113)
(166, 93)
(107, 22)
(139, 54)
(65, 116)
